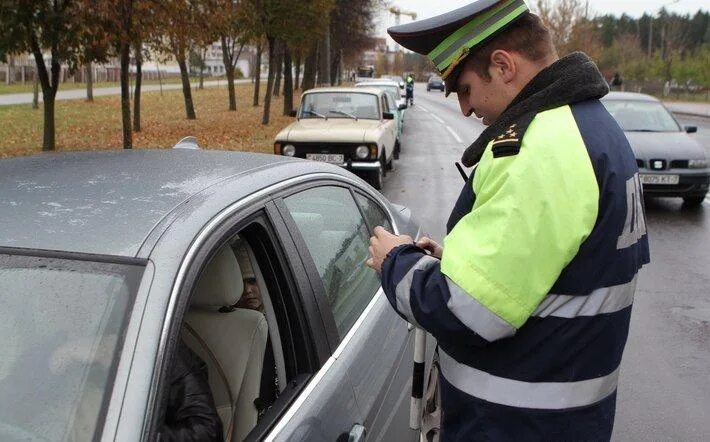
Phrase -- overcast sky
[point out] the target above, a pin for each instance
(634, 8)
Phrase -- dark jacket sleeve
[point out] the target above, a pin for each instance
(418, 291)
(191, 415)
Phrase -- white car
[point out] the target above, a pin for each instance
(350, 127)
(400, 102)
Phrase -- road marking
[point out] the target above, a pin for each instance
(454, 134)
(424, 109)
(437, 119)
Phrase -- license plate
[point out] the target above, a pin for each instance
(659, 179)
(334, 158)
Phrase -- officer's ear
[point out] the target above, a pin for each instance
(503, 66)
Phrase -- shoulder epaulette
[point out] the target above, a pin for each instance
(509, 142)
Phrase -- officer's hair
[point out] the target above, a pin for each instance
(528, 36)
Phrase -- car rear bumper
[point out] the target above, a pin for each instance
(688, 186)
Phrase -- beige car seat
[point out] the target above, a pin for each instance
(231, 341)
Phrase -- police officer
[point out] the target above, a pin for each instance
(530, 295)
(410, 90)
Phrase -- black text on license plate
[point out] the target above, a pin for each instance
(660, 179)
(334, 158)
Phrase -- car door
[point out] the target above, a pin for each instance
(390, 126)
(372, 346)
(298, 412)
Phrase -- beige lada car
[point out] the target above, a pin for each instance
(350, 127)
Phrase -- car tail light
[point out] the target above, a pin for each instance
(277, 148)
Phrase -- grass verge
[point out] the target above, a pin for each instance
(97, 126)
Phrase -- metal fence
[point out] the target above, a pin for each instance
(26, 74)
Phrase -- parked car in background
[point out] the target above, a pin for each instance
(353, 128)
(108, 259)
(671, 163)
(396, 78)
(397, 103)
(435, 82)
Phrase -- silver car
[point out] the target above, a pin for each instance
(670, 162)
(108, 259)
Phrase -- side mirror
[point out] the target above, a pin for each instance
(388, 115)
(402, 107)
(293, 113)
(691, 129)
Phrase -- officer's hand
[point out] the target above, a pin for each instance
(431, 246)
(381, 244)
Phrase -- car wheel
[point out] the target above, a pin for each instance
(397, 148)
(693, 201)
(390, 164)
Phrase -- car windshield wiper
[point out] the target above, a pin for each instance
(343, 113)
(310, 112)
(644, 130)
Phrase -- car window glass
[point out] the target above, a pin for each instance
(339, 105)
(374, 214)
(641, 116)
(61, 327)
(337, 238)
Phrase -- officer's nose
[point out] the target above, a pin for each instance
(466, 108)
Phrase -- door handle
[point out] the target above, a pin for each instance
(357, 434)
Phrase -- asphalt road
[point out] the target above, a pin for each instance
(664, 390)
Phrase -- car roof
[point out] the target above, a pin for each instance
(363, 84)
(629, 96)
(109, 202)
(358, 90)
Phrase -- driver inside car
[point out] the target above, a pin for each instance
(190, 415)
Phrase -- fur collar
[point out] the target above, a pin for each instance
(571, 79)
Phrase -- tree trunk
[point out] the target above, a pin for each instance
(35, 92)
(186, 90)
(324, 59)
(278, 62)
(49, 91)
(288, 80)
(296, 82)
(137, 91)
(334, 68)
(49, 134)
(229, 72)
(125, 95)
(269, 81)
(89, 82)
(309, 69)
(257, 73)
(203, 55)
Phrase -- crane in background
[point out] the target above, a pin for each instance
(397, 12)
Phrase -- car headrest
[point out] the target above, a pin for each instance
(221, 281)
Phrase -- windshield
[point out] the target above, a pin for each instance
(340, 105)
(61, 323)
(641, 116)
